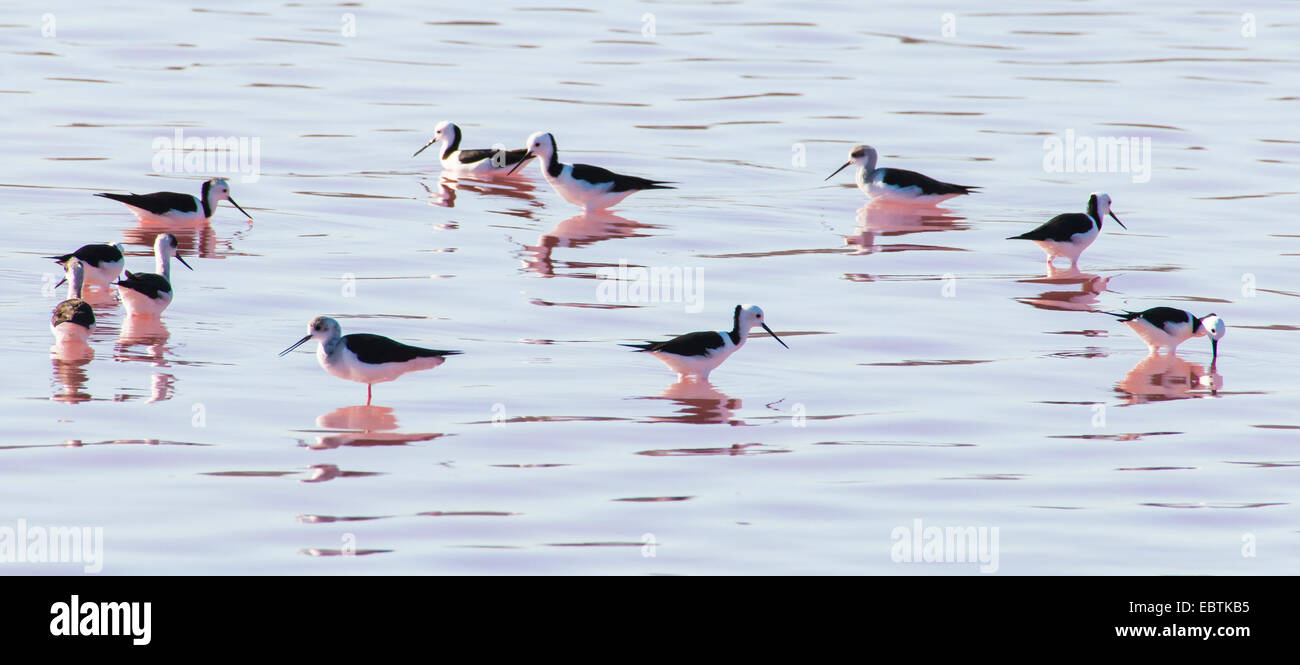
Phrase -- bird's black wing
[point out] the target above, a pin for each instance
(511, 157)
(622, 183)
(146, 283)
(92, 255)
(1156, 316)
(377, 349)
(73, 311)
(927, 185)
(157, 202)
(1160, 316)
(690, 344)
(1059, 228)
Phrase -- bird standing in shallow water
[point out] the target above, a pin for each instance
(1167, 327)
(487, 161)
(102, 263)
(172, 207)
(73, 319)
(897, 184)
(589, 187)
(699, 353)
(1070, 233)
(366, 358)
(148, 294)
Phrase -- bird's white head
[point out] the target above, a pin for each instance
(859, 155)
(321, 328)
(748, 316)
(862, 155)
(217, 189)
(445, 132)
(1099, 206)
(1213, 327)
(541, 144)
(165, 247)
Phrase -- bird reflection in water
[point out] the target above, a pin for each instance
(700, 403)
(1090, 286)
(485, 184)
(70, 360)
(1159, 378)
(152, 334)
(579, 230)
(885, 218)
(363, 426)
(193, 240)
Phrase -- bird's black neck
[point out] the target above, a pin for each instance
(454, 144)
(1093, 210)
(735, 327)
(553, 167)
(203, 199)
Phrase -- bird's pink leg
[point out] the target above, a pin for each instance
(368, 388)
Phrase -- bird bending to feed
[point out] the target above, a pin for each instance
(1070, 233)
(589, 187)
(485, 161)
(102, 263)
(146, 293)
(171, 207)
(898, 184)
(1168, 327)
(699, 353)
(73, 319)
(363, 357)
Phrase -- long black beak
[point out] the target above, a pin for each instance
(295, 345)
(769, 331)
(1214, 352)
(846, 165)
(527, 156)
(61, 282)
(232, 202)
(1112, 216)
(431, 142)
(182, 260)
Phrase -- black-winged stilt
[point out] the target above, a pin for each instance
(1070, 233)
(148, 294)
(363, 357)
(172, 207)
(897, 184)
(486, 161)
(699, 353)
(1167, 327)
(589, 187)
(73, 319)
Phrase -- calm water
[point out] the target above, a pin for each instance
(935, 370)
